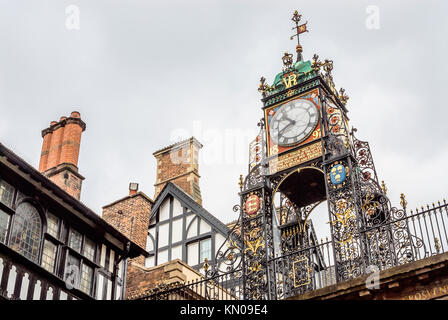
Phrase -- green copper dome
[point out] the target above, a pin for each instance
(300, 67)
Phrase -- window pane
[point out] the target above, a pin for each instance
(4, 223)
(109, 289)
(53, 225)
(49, 256)
(89, 249)
(75, 240)
(86, 279)
(103, 256)
(20, 196)
(205, 250)
(6, 193)
(99, 287)
(118, 293)
(111, 260)
(71, 275)
(26, 231)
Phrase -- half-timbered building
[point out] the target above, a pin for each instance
(53, 247)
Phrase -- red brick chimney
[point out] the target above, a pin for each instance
(60, 153)
(178, 163)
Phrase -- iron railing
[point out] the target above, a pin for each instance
(402, 238)
(227, 286)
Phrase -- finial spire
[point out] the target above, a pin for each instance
(299, 29)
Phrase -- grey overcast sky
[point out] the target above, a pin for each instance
(141, 72)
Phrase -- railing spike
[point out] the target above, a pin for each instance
(403, 201)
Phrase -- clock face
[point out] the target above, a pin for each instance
(293, 122)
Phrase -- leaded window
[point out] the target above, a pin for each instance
(6, 193)
(75, 240)
(53, 225)
(205, 250)
(71, 275)
(198, 251)
(26, 231)
(86, 279)
(89, 249)
(4, 224)
(49, 256)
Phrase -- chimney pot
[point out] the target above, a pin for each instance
(133, 188)
(75, 114)
(60, 153)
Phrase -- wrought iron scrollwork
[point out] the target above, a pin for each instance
(228, 256)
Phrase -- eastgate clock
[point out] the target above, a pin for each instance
(293, 122)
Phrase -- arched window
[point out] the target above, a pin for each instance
(26, 231)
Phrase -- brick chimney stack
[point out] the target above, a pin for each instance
(178, 163)
(60, 153)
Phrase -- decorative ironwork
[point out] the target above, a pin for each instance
(383, 187)
(299, 29)
(229, 255)
(257, 148)
(365, 160)
(403, 201)
(263, 87)
(342, 96)
(312, 266)
(287, 61)
(272, 252)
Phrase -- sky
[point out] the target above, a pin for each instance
(143, 74)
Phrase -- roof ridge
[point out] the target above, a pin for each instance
(192, 138)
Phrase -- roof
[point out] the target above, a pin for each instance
(300, 67)
(178, 144)
(188, 201)
(55, 190)
(139, 193)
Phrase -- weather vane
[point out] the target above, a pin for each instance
(299, 29)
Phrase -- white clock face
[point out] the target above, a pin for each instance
(293, 122)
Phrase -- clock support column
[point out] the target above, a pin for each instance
(257, 237)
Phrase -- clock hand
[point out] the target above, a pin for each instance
(285, 116)
(287, 126)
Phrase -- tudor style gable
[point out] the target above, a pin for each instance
(180, 228)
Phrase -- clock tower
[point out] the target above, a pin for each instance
(306, 154)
